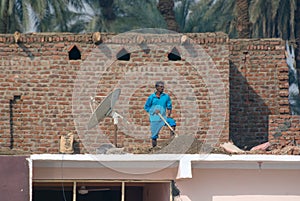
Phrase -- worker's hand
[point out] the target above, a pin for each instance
(156, 111)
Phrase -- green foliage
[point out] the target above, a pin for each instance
(182, 11)
(212, 16)
(129, 14)
(53, 15)
(272, 18)
(268, 18)
(46, 15)
(136, 14)
(11, 14)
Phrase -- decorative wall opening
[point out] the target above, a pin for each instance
(123, 55)
(74, 53)
(174, 55)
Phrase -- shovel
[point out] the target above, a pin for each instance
(167, 124)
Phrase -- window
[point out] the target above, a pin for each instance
(90, 190)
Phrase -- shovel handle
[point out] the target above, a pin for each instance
(167, 123)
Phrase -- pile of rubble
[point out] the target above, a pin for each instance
(289, 148)
(188, 144)
(179, 146)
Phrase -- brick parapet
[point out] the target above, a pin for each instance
(284, 130)
(259, 88)
(37, 70)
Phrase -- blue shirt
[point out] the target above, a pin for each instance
(153, 103)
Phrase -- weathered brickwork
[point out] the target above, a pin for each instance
(284, 130)
(258, 89)
(37, 82)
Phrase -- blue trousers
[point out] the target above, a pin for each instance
(155, 126)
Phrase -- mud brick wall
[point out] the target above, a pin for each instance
(45, 95)
(284, 130)
(36, 91)
(38, 83)
(258, 89)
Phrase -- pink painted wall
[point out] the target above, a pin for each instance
(214, 184)
(206, 184)
(14, 177)
(103, 173)
(257, 198)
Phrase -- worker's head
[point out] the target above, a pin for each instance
(160, 85)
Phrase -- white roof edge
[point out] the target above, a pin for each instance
(251, 158)
(184, 161)
(168, 157)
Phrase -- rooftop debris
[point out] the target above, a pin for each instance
(267, 148)
(231, 148)
(226, 148)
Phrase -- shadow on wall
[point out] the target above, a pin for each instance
(249, 115)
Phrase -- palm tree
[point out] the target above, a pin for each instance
(4, 16)
(54, 15)
(280, 19)
(182, 11)
(249, 18)
(211, 16)
(10, 16)
(242, 24)
(166, 8)
(47, 15)
(136, 14)
(122, 16)
(197, 21)
(100, 15)
(297, 33)
(272, 18)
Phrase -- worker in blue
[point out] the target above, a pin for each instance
(159, 102)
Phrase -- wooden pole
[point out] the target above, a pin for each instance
(116, 133)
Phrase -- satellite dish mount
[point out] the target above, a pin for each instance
(105, 109)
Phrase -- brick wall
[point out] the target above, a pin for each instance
(36, 91)
(284, 130)
(258, 89)
(44, 95)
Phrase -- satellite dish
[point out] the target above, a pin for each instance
(104, 109)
